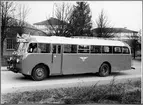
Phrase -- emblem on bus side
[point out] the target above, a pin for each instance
(83, 58)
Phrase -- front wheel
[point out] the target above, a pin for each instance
(104, 70)
(39, 73)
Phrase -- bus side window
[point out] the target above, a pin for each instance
(48, 48)
(73, 48)
(117, 49)
(106, 49)
(67, 48)
(95, 49)
(83, 49)
(32, 48)
(54, 48)
(125, 50)
(45, 48)
(59, 49)
(70, 48)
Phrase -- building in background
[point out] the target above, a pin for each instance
(133, 38)
(45, 28)
(118, 33)
(10, 42)
(48, 25)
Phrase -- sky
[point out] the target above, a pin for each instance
(120, 13)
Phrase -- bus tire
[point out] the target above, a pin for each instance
(104, 70)
(39, 72)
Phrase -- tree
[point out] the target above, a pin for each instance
(80, 20)
(59, 24)
(134, 43)
(7, 9)
(104, 30)
(20, 15)
(9, 21)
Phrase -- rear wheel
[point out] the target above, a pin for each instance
(104, 70)
(39, 73)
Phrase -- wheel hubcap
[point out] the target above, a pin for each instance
(105, 69)
(39, 72)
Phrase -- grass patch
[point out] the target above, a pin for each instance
(121, 93)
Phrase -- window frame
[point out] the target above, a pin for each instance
(71, 49)
(12, 43)
(102, 51)
(27, 50)
(127, 48)
(57, 48)
(117, 52)
(96, 52)
(83, 49)
(38, 46)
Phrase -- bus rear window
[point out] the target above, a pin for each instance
(125, 50)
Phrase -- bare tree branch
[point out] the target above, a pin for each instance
(104, 29)
(62, 15)
(8, 14)
(22, 13)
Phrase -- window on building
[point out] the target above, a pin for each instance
(95, 49)
(106, 49)
(83, 49)
(117, 49)
(10, 44)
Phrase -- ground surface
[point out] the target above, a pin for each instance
(11, 82)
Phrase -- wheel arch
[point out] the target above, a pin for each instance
(47, 67)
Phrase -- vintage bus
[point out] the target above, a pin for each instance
(42, 56)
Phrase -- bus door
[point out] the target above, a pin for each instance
(56, 59)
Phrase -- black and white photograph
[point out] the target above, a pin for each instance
(71, 52)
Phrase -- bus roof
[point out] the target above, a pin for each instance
(78, 41)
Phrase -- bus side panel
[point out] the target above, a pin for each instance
(75, 63)
(124, 62)
(118, 61)
(33, 59)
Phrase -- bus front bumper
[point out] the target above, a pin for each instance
(14, 64)
(13, 69)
